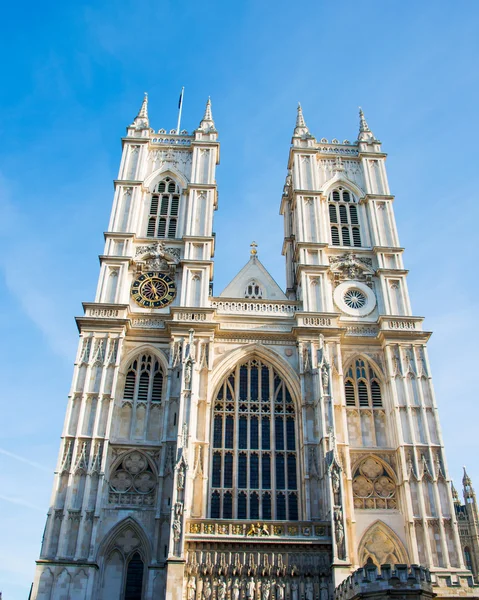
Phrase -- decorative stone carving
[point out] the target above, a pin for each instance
(351, 266)
(382, 546)
(373, 486)
(156, 257)
(250, 588)
(294, 590)
(191, 595)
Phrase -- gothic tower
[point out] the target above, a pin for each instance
(258, 444)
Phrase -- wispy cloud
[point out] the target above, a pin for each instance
(27, 461)
(20, 502)
(19, 252)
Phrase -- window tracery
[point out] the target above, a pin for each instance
(133, 481)
(364, 403)
(254, 456)
(344, 219)
(144, 380)
(373, 486)
(164, 207)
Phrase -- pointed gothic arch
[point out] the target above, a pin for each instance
(158, 174)
(125, 542)
(113, 539)
(138, 351)
(364, 399)
(140, 393)
(227, 362)
(341, 180)
(381, 545)
(255, 457)
(374, 484)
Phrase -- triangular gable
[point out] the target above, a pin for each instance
(253, 272)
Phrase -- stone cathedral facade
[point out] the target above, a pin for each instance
(258, 444)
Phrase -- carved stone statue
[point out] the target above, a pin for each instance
(206, 589)
(221, 589)
(191, 588)
(280, 585)
(181, 478)
(294, 590)
(309, 590)
(324, 593)
(188, 373)
(250, 588)
(265, 589)
(236, 589)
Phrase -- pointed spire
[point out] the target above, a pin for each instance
(141, 120)
(455, 495)
(466, 480)
(365, 134)
(301, 127)
(207, 123)
(143, 113)
(300, 118)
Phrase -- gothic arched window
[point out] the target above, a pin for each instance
(164, 207)
(254, 462)
(344, 219)
(140, 412)
(253, 290)
(144, 380)
(364, 403)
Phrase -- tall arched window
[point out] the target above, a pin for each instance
(364, 403)
(144, 380)
(344, 219)
(140, 412)
(254, 464)
(164, 207)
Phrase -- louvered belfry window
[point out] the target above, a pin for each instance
(164, 208)
(144, 380)
(361, 386)
(344, 219)
(254, 462)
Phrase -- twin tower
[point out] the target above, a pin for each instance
(261, 444)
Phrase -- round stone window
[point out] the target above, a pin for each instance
(355, 298)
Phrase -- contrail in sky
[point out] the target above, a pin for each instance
(20, 502)
(25, 460)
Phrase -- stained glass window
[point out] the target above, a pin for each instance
(254, 462)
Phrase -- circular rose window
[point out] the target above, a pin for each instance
(355, 298)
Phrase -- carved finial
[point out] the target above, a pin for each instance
(455, 495)
(141, 120)
(143, 113)
(253, 251)
(301, 127)
(207, 123)
(300, 118)
(365, 134)
(466, 480)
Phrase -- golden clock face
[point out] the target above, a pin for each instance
(153, 290)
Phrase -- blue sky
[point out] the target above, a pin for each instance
(74, 76)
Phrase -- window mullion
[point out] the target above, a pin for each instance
(272, 444)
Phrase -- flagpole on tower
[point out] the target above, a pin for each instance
(180, 108)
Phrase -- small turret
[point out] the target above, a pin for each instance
(301, 128)
(207, 124)
(365, 134)
(141, 120)
(455, 496)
